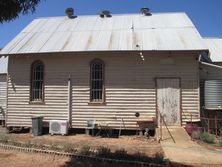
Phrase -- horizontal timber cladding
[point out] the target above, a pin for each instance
(129, 87)
(3, 90)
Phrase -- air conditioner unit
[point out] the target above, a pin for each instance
(58, 127)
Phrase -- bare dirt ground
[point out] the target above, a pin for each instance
(186, 151)
(209, 146)
(9, 158)
(132, 144)
(19, 159)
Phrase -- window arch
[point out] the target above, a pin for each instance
(37, 81)
(97, 81)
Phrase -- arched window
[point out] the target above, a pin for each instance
(37, 81)
(97, 81)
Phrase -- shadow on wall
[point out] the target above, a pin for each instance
(2, 111)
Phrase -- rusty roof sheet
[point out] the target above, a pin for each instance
(126, 32)
(215, 47)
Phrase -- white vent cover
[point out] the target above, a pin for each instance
(58, 127)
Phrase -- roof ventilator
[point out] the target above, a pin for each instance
(70, 13)
(105, 13)
(145, 11)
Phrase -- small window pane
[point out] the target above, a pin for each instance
(37, 81)
(96, 91)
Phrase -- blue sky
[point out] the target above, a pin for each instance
(205, 14)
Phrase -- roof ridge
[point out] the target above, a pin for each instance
(113, 14)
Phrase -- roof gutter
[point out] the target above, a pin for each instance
(101, 51)
(211, 65)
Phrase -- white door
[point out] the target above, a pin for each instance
(168, 100)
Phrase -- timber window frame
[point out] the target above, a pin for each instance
(97, 82)
(37, 82)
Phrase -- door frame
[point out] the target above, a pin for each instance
(180, 100)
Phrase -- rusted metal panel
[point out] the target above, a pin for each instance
(129, 32)
(168, 100)
(215, 47)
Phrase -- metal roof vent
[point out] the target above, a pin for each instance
(105, 13)
(70, 13)
(145, 11)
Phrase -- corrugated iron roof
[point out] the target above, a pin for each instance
(126, 32)
(215, 47)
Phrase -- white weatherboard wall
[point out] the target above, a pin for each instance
(3, 65)
(3, 90)
(129, 83)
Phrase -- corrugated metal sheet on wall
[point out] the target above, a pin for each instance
(163, 31)
(208, 73)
